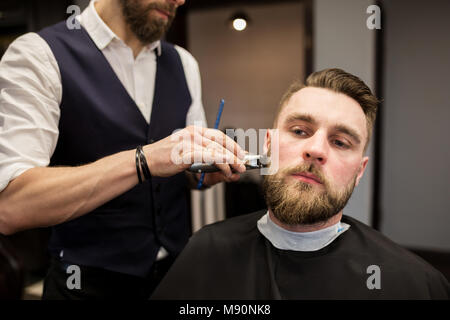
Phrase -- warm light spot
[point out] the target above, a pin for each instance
(239, 24)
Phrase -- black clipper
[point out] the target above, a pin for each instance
(250, 161)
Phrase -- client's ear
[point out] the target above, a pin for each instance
(267, 141)
(362, 168)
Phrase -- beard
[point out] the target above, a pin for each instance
(300, 202)
(147, 29)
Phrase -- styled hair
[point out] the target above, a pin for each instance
(338, 81)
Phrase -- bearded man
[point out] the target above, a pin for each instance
(303, 247)
(87, 117)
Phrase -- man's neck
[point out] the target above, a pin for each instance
(111, 14)
(306, 227)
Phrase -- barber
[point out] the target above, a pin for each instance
(75, 107)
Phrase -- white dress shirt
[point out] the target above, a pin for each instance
(31, 92)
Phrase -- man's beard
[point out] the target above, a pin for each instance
(146, 29)
(300, 202)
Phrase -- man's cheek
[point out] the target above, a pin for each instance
(287, 153)
(343, 177)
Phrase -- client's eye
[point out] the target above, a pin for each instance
(341, 144)
(299, 132)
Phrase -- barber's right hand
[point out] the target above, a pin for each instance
(178, 151)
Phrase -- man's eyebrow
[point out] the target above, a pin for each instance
(348, 131)
(300, 117)
(342, 128)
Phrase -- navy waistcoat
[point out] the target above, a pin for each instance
(99, 118)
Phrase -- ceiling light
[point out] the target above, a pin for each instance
(239, 21)
(239, 24)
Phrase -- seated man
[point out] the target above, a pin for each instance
(303, 247)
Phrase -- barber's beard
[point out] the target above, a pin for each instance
(297, 202)
(147, 29)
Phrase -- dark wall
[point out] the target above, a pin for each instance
(416, 109)
(415, 152)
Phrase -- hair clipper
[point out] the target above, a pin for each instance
(250, 161)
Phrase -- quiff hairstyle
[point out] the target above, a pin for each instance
(338, 81)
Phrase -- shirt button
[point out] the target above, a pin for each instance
(152, 140)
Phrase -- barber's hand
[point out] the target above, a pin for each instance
(178, 151)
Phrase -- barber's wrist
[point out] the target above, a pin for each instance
(150, 155)
(142, 169)
(139, 172)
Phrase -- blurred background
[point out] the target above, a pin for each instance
(405, 191)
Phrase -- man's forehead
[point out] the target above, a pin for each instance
(324, 106)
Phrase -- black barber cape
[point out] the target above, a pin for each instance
(233, 260)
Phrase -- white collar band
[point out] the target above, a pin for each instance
(299, 241)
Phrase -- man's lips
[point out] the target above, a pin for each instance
(307, 177)
(163, 13)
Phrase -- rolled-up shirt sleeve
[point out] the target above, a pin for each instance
(30, 95)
